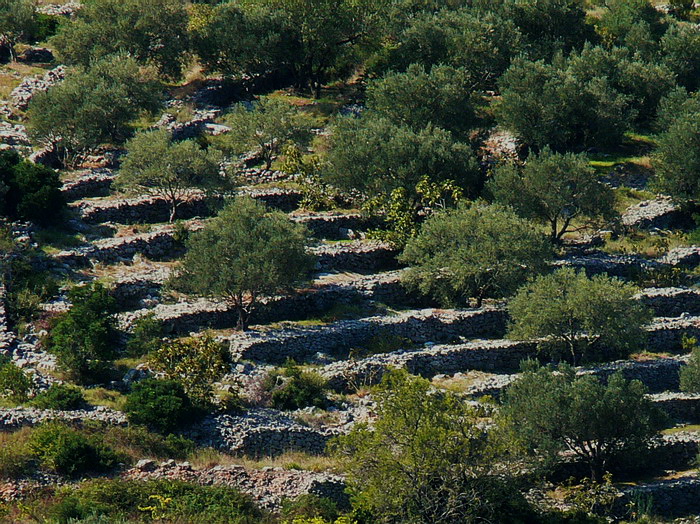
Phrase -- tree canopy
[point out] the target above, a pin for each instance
(245, 253)
(560, 190)
(172, 170)
(579, 318)
(554, 410)
(474, 251)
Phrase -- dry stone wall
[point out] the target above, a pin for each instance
(417, 326)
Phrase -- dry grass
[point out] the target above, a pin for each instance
(208, 457)
(105, 397)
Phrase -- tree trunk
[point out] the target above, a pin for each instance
(173, 211)
(243, 319)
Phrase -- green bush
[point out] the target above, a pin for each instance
(139, 442)
(14, 383)
(158, 404)
(45, 26)
(293, 388)
(29, 191)
(27, 287)
(309, 506)
(60, 396)
(83, 338)
(690, 374)
(146, 336)
(168, 500)
(67, 451)
(15, 459)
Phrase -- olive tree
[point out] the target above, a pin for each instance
(151, 31)
(172, 170)
(426, 459)
(17, 22)
(474, 251)
(574, 316)
(677, 158)
(555, 410)
(375, 155)
(266, 128)
(560, 190)
(92, 106)
(243, 254)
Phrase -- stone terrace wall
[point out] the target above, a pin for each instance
(268, 487)
(14, 418)
(671, 301)
(417, 326)
(486, 355)
(666, 334)
(669, 498)
(259, 433)
(681, 407)
(90, 183)
(361, 256)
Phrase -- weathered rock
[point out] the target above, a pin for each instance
(23, 93)
(660, 213)
(41, 55)
(686, 257)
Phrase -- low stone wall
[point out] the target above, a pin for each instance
(22, 95)
(259, 433)
(89, 184)
(681, 407)
(671, 301)
(666, 334)
(153, 209)
(195, 314)
(361, 256)
(622, 266)
(671, 498)
(417, 326)
(268, 487)
(684, 257)
(660, 213)
(333, 226)
(486, 355)
(15, 418)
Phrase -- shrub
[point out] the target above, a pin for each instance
(83, 339)
(690, 374)
(293, 388)
(196, 363)
(146, 336)
(139, 442)
(159, 404)
(15, 384)
(309, 506)
(67, 451)
(169, 500)
(15, 459)
(60, 396)
(29, 191)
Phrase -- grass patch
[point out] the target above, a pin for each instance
(691, 428)
(626, 197)
(646, 244)
(105, 397)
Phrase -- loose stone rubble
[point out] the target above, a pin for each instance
(23, 93)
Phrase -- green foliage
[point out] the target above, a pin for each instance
(548, 105)
(45, 26)
(196, 363)
(579, 318)
(83, 338)
(92, 106)
(425, 460)
(27, 286)
(15, 459)
(554, 410)
(29, 191)
(159, 404)
(441, 96)
(376, 156)
(555, 189)
(266, 128)
(17, 22)
(690, 373)
(316, 195)
(169, 500)
(403, 215)
(677, 158)
(309, 506)
(152, 31)
(680, 47)
(59, 396)
(15, 384)
(139, 442)
(482, 43)
(631, 23)
(146, 336)
(67, 451)
(474, 252)
(293, 388)
(246, 252)
(172, 170)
